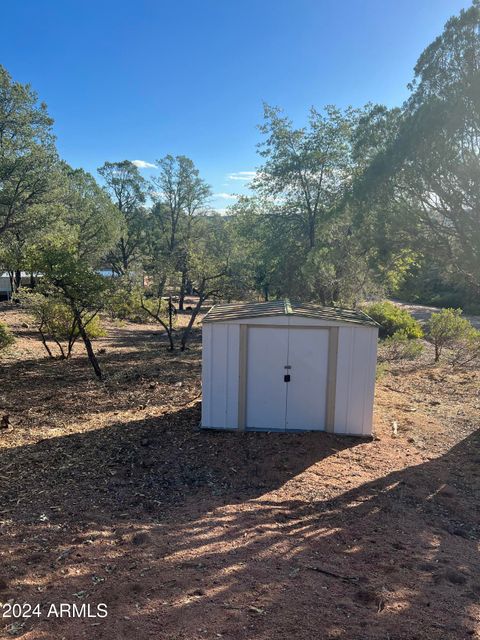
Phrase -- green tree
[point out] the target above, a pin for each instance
(208, 259)
(427, 177)
(127, 189)
(446, 328)
(76, 285)
(306, 171)
(305, 188)
(68, 257)
(267, 253)
(180, 196)
(28, 157)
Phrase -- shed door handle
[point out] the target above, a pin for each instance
(286, 378)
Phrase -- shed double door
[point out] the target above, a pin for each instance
(286, 385)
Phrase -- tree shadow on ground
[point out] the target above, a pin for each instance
(191, 534)
(58, 390)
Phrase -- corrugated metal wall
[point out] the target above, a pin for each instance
(355, 376)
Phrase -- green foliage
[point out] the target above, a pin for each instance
(422, 185)
(447, 328)
(306, 170)
(95, 328)
(90, 222)
(303, 188)
(60, 323)
(127, 188)
(381, 371)
(400, 346)
(6, 337)
(153, 307)
(466, 352)
(123, 302)
(393, 319)
(28, 157)
(55, 320)
(354, 204)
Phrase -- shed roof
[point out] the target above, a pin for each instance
(245, 310)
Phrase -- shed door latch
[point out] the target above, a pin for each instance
(286, 378)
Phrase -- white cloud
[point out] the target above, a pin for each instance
(142, 164)
(220, 210)
(242, 175)
(225, 196)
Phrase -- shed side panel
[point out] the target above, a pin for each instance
(344, 368)
(361, 374)
(206, 374)
(232, 376)
(370, 377)
(218, 380)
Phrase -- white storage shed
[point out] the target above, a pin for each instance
(281, 366)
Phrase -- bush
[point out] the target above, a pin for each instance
(55, 321)
(446, 329)
(393, 319)
(59, 322)
(401, 347)
(122, 303)
(381, 371)
(6, 338)
(466, 352)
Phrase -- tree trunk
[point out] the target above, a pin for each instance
(44, 341)
(188, 328)
(161, 286)
(311, 232)
(124, 256)
(88, 345)
(183, 286)
(168, 327)
(17, 279)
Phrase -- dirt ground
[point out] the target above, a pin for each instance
(110, 493)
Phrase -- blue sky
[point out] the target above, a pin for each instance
(138, 80)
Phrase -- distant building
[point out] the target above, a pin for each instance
(6, 283)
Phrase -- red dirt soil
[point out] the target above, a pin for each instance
(110, 493)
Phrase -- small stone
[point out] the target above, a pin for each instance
(447, 491)
(455, 577)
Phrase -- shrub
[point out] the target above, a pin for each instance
(447, 328)
(6, 338)
(466, 352)
(59, 321)
(381, 371)
(392, 319)
(401, 347)
(55, 321)
(121, 303)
